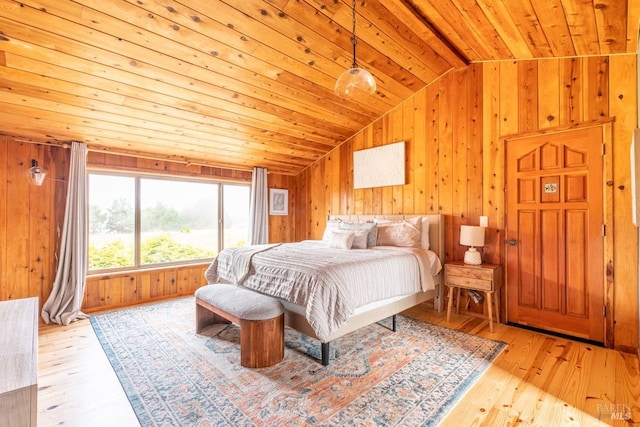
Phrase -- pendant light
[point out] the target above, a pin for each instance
(355, 82)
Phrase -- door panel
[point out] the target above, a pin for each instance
(551, 232)
(554, 256)
(577, 263)
(528, 295)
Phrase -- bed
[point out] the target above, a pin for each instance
(318, 310)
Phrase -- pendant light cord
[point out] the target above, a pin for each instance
(354, 40)
(354, 83)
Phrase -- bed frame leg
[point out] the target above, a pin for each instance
(324, 346)
(325, 353)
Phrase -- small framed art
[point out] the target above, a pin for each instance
(278, 201)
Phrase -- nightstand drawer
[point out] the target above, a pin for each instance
(474, 272)
(469, 282)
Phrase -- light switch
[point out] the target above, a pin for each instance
(484, 221)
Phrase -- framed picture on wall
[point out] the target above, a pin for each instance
(379, 166)
(278, 201)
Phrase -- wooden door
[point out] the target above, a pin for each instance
(554, 251)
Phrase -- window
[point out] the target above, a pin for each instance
(111, 221)
(140, 221)
(236, 215)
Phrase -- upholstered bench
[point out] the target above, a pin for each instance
(260, 317)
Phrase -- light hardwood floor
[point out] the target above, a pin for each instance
(538, 380)
(542, 380)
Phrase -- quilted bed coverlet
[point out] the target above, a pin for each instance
(330, 283)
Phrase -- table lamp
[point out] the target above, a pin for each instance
(472, 236)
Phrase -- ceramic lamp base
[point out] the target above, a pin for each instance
(472, 257)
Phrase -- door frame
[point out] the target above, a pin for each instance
(606, 126)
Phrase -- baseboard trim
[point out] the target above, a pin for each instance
(556, 334)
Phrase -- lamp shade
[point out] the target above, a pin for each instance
(472, 235)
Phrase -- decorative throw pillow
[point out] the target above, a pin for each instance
(341, 239)
(371, 227)
(359, 239)
(406, 233)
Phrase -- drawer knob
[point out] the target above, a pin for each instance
(513, 242)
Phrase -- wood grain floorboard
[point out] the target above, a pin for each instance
(538, 380)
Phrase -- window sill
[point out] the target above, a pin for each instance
(136, 271)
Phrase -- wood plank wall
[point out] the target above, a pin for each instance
(108, 291)
(442, 129)
(30, 217)
(623, 105)
(455, 129)
(281, 227)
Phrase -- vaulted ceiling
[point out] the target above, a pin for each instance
(243, 83)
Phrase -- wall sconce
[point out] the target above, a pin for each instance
(472, 236)
(35, 173)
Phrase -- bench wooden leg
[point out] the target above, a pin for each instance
(206, 317)
(261, 342)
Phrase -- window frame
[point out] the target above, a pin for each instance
(138, 176)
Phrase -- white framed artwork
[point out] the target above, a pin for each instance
(379, 166)
(278, 201)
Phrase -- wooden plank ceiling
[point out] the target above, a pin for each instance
(243, 83)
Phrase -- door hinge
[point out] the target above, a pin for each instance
(604, 230)
(604, 149)
(604, 311)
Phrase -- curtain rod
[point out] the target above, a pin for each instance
(52, 144)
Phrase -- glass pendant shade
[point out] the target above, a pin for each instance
(355, 82)
(35, 173)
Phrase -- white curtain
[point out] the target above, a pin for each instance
(63, 305)
(259, 213)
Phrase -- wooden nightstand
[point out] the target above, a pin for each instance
(485, 278)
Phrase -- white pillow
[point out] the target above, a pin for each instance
(406, 233)
(341, 239)
(332, 224)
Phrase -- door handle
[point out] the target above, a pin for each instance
(513, 242)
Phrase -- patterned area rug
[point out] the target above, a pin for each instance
(175, 377)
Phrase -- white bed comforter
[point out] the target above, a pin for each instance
(330, 283)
